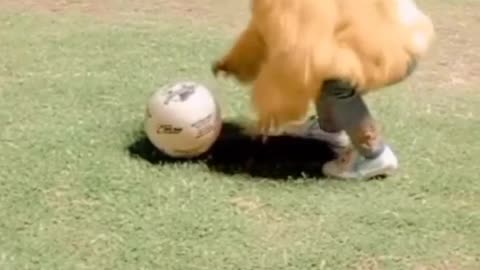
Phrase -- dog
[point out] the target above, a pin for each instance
(290, 48)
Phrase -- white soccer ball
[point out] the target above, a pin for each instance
(183, 120)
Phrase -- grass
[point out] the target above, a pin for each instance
(80, 188)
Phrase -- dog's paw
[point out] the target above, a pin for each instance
(221, 67)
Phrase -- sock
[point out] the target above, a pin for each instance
(325, 114)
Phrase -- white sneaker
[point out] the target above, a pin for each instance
(310, 129)
(353, 166)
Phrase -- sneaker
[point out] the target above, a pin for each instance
(353, 166)
(310, 129)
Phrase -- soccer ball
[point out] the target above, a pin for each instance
(183, 120)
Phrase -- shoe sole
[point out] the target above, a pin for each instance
(385, 173)
(388, 172)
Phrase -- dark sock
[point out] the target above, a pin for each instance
(325, 113)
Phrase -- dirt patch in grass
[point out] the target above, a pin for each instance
(224, 14)
(92, 7)
(453, 65)
(454, 263)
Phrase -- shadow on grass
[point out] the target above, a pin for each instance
(280, 158)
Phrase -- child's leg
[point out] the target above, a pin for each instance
(352, 114)
(325, 115)
(371, 156)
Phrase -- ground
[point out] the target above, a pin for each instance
(81, 187)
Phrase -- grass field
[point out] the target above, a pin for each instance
(81, 188)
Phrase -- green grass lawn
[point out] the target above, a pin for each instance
(72, 195)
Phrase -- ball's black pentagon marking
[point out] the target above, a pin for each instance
(186, 92)
(182, 94)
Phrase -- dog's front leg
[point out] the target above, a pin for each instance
(244, 59)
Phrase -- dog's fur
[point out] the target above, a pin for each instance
(290, 47)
